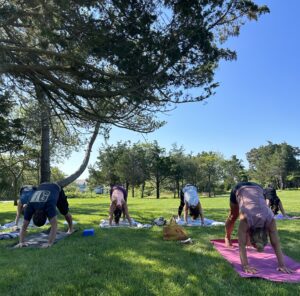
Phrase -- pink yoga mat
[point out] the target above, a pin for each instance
(265, 263)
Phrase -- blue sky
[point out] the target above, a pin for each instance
(257, 101)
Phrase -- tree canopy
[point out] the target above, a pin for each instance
(117, 62)
(11, 129)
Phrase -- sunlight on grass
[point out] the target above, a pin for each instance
(137, 261)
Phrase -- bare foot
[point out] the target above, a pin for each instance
(70, 231)
(228, 242)
(249, 269)
(21, 245)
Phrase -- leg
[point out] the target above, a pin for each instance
(180, 208)
(281, 208)
(69, 220)
(229, 224)
(63, 207)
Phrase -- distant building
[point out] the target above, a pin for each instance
(99, 189)
(81, 185)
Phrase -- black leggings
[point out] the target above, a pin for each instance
(180, 208)
(274, 205)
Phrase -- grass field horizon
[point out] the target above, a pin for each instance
(138, 261)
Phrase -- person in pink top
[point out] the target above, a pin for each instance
(256, 223)
(118, 205)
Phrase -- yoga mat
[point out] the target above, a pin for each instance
(36, 240)
(281, 217)
(265, 262)
(124, 223)
(197, 222)
(9, 235)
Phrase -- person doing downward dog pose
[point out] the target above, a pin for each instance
(256, 223)
(273, 201)
(118, 205)
(189, 200)
(42, 205)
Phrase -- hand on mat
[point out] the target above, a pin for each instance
(46, 245)
(249, 269)
(284, 269)
(21, 245)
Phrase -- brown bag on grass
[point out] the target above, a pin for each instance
(172, 231)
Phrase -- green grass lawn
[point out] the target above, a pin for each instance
(137, 261)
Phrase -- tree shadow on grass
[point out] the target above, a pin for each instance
(131, 262)
(122, 261)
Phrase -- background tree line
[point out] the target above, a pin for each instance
(150, 167)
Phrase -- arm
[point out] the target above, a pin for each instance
(274, 239)
(242, 235)
(52, 234)
(22, 235)
(180, 208)
(186, 211)
(127, 213)
(201, 213)
(112, 207)
(19, 210)
(282, 209)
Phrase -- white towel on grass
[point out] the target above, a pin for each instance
(9, 235)
(124, 223)
(20, 223)
(197, 222)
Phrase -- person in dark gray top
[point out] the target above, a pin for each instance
(273, 201)
(42, 205)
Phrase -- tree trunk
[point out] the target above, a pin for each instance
(127, 186)
(157, 187)
(132, 191)
(281, 184)
(45, 171)
(209, 187)
(143, 190)
(178, 188)
(85, 161)
(15, 190)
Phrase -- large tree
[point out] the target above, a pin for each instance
(210, 165)
(114, 62)
(273, 163)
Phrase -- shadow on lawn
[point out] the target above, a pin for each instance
(154, 265)
(138, 262)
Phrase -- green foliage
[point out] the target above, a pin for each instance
(73, 61)
(12, 129)
(138, 261)
(272, 163)
(77, 194)
(80, 54)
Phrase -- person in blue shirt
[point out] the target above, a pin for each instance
(42, 205)
(189, 200)
(25, 194)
